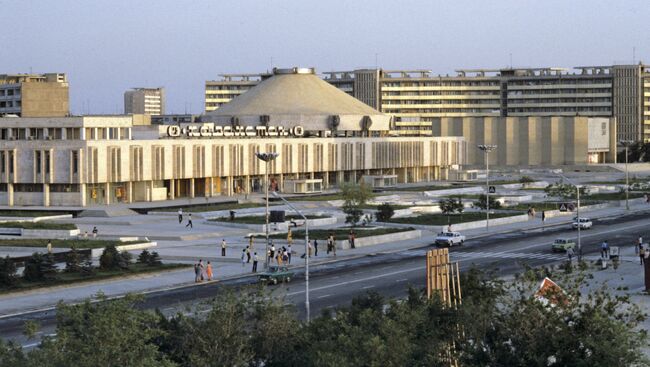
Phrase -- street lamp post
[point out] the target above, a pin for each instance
(275, 194)
(487, 148)
(626, 144)
(267, 158)
(577, 215)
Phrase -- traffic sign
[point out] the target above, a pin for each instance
(563, 207)
(492, 190)
(571, 207)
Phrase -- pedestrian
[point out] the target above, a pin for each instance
(243, 258)
(351, 239)
(49, 246)
(250, 242)
(289, 236)
(604, 249)
(333, 245)
(223, 247)
(180, 215)
(330, 243)
(639, 244)
(449, 228)
(309, 247)
(189, 221)
(278, 258)
(289, 254)
(201, 269)
(315, 247)
(641, 254)
(255, 259)
(94, 232)
(285, 257)
(208, 271)
(248, 255)
(570, 253)
(272, 252)
(197, 273)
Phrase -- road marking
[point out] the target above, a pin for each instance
(420, 268)
(401, 280)
(368, 287)
(327, 295)
(507, 255)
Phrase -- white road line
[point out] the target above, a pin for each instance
(401, 280)
(327, 295)
(368, 287)
(419, 268)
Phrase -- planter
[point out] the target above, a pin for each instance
(376, 240)
(97, 252)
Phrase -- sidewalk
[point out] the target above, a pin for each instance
(230, 266)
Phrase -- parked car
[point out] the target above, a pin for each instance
(584, 223)
(449, 239)
(276, 274)
(562, 245)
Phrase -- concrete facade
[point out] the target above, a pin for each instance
(146, 101)
(34, 95)
(533, 141)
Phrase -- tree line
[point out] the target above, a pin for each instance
(497, 324)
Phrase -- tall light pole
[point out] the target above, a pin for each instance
(577, 214)
(487, 148)
(626, 144)
(267, 158)
(275, 194)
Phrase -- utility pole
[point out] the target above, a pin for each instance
(487, 148)
(267, 158)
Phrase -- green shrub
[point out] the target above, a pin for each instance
(7, 272)
(73, 261)
(144, 257)
(384, 212)
(40, 267)
(154, 259)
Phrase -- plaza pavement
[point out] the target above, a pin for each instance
(176, 243)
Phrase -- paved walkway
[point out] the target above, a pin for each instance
(206, 246)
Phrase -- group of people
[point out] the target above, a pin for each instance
(202, 272)
(282, 256)
(189, 218)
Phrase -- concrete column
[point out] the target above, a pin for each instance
(192, 188)
(340, 177)
(209, 190)
(230, 184)
(83, 195)
(150, 193)
(247, 184)
(107, 193)
(10, 193)
(129, 191)
(46, 195)
(326, 180)
(172, 189)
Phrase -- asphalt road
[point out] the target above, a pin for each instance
(389, 274)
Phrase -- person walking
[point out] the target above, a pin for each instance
(197, 273)
(208, 271)
(351, 239)
(201, 270)
(243, 258)
(49, 246)
(289, 236)
(315, 247)
(223, 247)
(272, 252)
(278, 258)
(333, 240)
(250, 242)
(255, 259)
(570, 253)
(248, 255)
(604, 249)
(642, 251)
(180, 215)
(289, 254)
(639, 244)
(95, 231)
(330, 239)
(189, 221)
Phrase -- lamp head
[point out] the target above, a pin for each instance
(266, 157)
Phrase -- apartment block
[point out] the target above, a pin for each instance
(220, 92)
(415, 98)
(34, 95)
(147, 101)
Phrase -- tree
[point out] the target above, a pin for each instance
(637, 152)
(354, 197)
(112, 259)
(566, 191)
(7, 272)
(40, 267)
(154, 259)
(73, 261)
(482, 202)
(144, 257)
(384, 212)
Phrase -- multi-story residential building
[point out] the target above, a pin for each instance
(220, 92)
(34, 95)
(415, 98)
(147, 101)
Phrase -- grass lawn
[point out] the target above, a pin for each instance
(213, 208)
(427, 188)
(441, 219)
(610, 196)
(28, 213)
(537, 205)
(395, 207)
(71, 278)
(78, 243)
(339, 233)
(323, 197)
(261, 219)
(38, 225)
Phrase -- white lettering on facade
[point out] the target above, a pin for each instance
(208, 131)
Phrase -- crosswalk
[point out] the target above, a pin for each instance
(469, 255)
(506, 255)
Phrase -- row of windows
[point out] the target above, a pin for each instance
(439, 101)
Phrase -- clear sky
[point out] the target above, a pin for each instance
(106, 47)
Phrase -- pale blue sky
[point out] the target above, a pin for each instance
(106, 47)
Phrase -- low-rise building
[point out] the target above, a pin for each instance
(34, 95)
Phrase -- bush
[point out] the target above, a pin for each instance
(154, 259)
(112, 259)
(482, 202)
(526, 179)
(384, 212)
(7, 272)
(40, 267)
(144, 257)
(72, 261)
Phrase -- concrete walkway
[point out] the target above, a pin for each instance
(206, 245)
